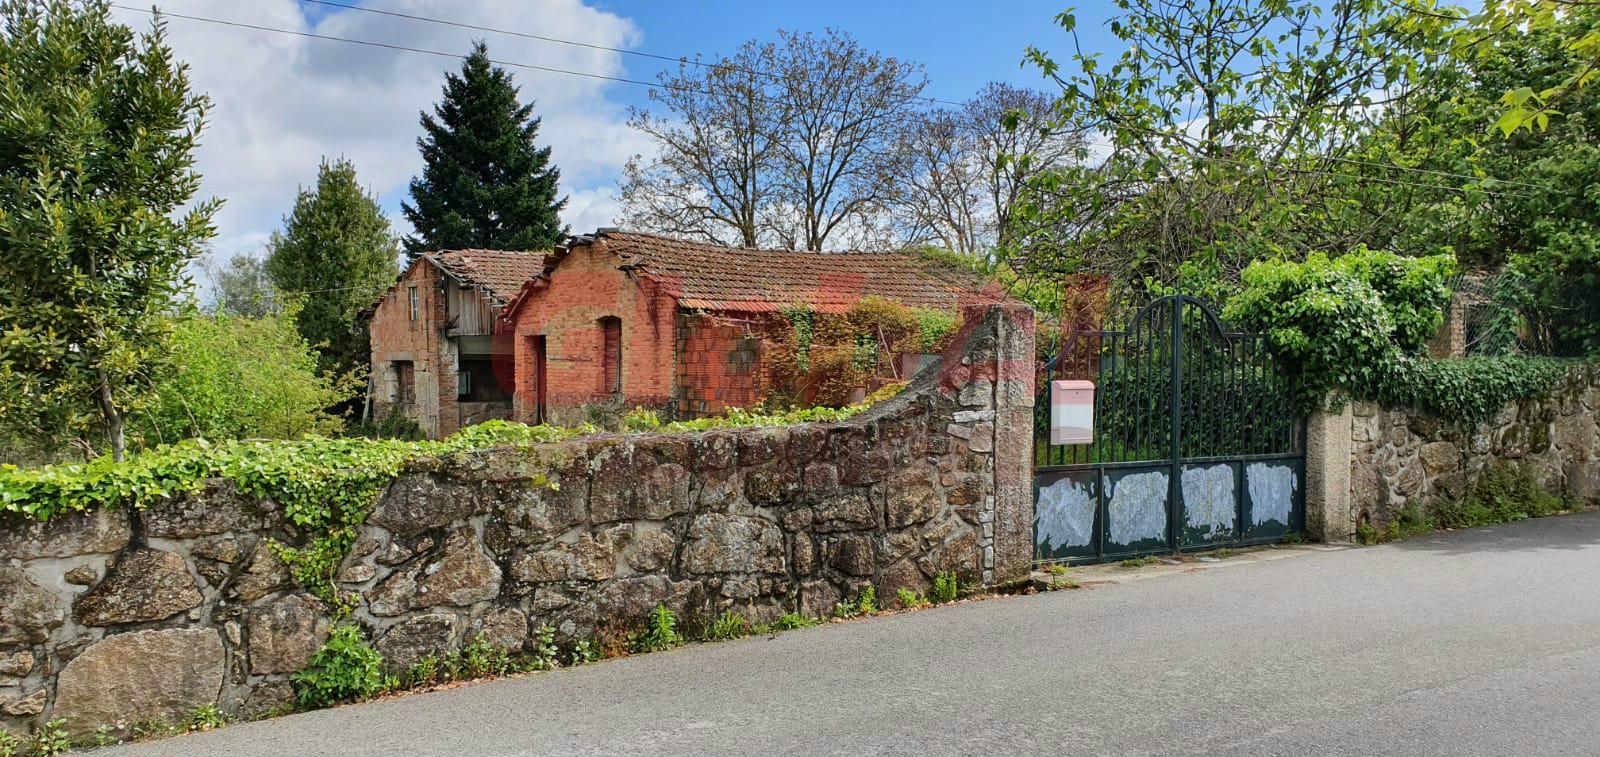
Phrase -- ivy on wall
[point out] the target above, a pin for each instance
(1360, 323)
(325, 486)
(823, 358)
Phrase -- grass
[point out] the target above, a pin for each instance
(1502, 493)
(1058, 577)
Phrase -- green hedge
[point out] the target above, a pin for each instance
(1468, 390)
(1360, 322)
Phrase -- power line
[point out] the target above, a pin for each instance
(575, 43)
(387, 46)
(641, 82)
(539, 37)
(457, 56)
(730, 67)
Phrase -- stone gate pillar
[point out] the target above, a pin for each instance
(994, 385)
(1328, 476)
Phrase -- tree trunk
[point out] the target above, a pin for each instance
(112, 417)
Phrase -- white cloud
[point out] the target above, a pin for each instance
(280, 102)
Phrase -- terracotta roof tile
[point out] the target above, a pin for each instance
(500, 273)
(712, 277)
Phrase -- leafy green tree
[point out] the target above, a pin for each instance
(1533, 210)
(98, 126)
(236, 377)
(337, 254)
(241, 287)
(1534, 103)
(484, 183)
(1228, 123)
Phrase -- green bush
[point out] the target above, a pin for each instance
(393, 425)
(945, 588)
(1503, 492)
(345, 668)
(1360, 322)
(234, 377)
(1338, 322)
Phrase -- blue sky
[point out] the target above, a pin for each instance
(963, 45)
(282, 102)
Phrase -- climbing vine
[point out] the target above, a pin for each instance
(325, 486)
(823, 358)
(1359, 323)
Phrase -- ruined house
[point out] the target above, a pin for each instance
(437, 354)
(617, 320)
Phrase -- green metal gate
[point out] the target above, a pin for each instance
(1194, 445)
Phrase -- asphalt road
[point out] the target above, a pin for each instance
(1482, 642)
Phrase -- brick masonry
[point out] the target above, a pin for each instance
(565, 311)
(396, 337)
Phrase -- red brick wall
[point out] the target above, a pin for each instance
(396, 337)
(720, 364)
(584, 288)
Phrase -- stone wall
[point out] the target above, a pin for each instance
(1398, 456)
(115, 617)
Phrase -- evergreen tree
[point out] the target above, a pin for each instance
(484, 183)
(97, 138)
(337, 254)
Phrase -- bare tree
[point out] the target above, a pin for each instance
(849, 108)
(716, 155)
(943, 185)
(967, 166)
(1005, 123)
(781, 144)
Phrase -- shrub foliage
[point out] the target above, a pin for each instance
(1359, 323)
(344, 669)
(236, 377)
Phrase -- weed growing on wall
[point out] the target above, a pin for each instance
(730, 625)
(583, 651)
(205, 717)
(646, 420)
(867, 602)
(789, 621)
(545, 655)
(910, 600)
(1503, 492)
(660, 632)
(51, 739)
(344, 669)
(945, 588)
